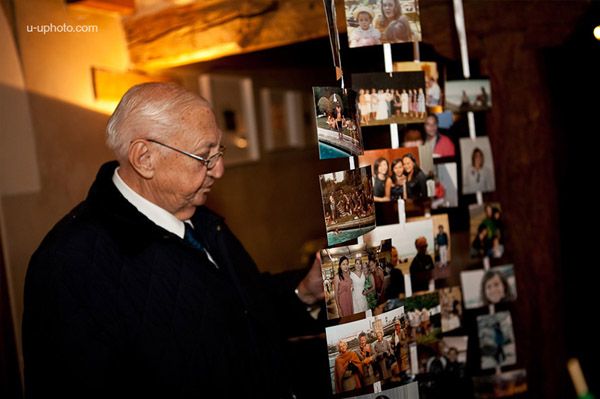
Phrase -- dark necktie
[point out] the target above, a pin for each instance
(191, 237)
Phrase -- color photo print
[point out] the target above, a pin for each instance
(363, 352)
(492, 287)
(400, 173)
(451, 305)
(382, 21)
(413, 244)
(496, 340)
(385, 98)
(353, 277)
(338, 130)
(441, 242)
(445, 193)
(477, 165)
(434, 95)
(348, 207)
(487, 231)
(468, 95)
(505, 385)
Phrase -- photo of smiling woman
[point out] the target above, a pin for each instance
(394, 25)
(477, 165)
(416, 181)
(488, 287)
(495, 288)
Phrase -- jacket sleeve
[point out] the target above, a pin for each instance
(281, 302)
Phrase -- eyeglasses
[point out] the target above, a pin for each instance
(209, 162)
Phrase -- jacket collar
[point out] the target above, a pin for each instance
(124, 220)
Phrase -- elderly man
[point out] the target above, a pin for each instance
(141, 291)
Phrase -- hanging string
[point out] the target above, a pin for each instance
(334, 39)
(459, 20)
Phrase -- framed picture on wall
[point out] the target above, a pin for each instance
(232, 100)
(282, 119)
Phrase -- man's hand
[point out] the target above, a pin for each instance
(310, 290)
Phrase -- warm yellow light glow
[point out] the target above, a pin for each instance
(105, 107)
(597, 32)
(204, 54)
(240, 142)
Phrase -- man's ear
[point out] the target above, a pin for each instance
(141, 159)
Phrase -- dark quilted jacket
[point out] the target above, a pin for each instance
(116, 306)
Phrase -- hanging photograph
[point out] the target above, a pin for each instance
(282, 119)
(452, 307)
(496, 340)
(486, 231)
(468, 95)
(382, 21)
(395, 348)
(377, 348)
(441, 242)
(353, 277)
(424, 318)
(504, 385)
(347, 198)
(337, 123)
(445, 186)
(399, 173)
(455, 370)
(413, 243)
(232, 100)
(434, 96)
(477, 165)
(492, 287)
(351, 356)
(385, 98)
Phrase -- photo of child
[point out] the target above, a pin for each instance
(494, 286)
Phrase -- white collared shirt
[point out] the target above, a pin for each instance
(155, 213)
(152, 211)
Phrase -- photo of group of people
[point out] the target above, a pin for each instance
(380, 348)
(384, 98)
(347, 198)
(397, 174)
(468, 95)
(445, 369)
(489, 287)
(434, 95)
(487, 231)
(354, 277)
(338, 129)
(442, 242)
(371, 23)
(414, 245)
(496, 340)
(478, 165)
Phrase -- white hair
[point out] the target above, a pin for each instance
(149, 110)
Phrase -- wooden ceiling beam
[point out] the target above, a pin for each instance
(211, 29)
